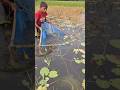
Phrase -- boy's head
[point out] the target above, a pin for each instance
(43, 6)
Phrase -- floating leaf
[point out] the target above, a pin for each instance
(83, 61)
(47, 78)
(83, 56)
(42, 88)
(115, 43)
(82, 51)
(53, 74)
(116, 71)
(75, 51)
(83, 44)
(83, 71)
(44, 71)
(99, 62)
(98, 57)
(113, 59)
(47, 85)
(103, 83)
(43, 82)
(67, 42)
(77, 61)
(83, 84)
(115, 83)
(79, 50)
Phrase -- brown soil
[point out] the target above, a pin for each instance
(74, 14)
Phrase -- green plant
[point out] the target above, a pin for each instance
(46, 76)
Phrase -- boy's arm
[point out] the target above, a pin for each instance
(47, 19)
(36, 25)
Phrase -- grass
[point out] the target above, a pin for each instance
(63, 3)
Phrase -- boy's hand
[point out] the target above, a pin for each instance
(42, 19)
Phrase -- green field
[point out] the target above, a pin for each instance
(63, 3)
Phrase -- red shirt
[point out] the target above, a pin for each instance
(39, 15)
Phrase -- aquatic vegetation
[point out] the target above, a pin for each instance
(46, 75)
(79, 61)
(103, 83)
(116, 71)
(100, 60)
(115, 43)
(83, 84)
(83, 71)
(76, 51)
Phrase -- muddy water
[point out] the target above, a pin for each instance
(70, 75)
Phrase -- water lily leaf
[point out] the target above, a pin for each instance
(40, 88)
(47, 85)
(98, 57)
(53, 74)
(42, 82)
(44, 71)
(83, 71)
(83, 44)
(44, 88)
(99, 62)
(47, 78)
(115, 43)
(115, 83)
(83, 84)
(77, 61)
(113, 59)
(116, 71)
(103, 83)
(83, 56)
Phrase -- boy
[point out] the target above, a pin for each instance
(45, 28)
(40, 16)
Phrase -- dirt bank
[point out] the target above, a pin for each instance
(74, 14)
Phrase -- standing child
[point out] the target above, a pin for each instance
(40, 16)
(45, 27)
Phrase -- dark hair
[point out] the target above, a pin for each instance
(44, 4)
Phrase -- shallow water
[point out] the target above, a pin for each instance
(70, 74)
